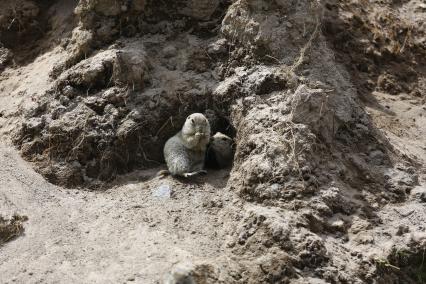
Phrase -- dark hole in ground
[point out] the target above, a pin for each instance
(219, 124)
(22, 25)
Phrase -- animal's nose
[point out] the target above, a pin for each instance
(199, 134)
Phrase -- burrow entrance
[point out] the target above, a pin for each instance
(27, 27)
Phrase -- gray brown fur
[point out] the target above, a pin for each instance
(220, 151)
(185, 152)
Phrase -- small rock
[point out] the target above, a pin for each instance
(377, 157)
(402, 229)
(217, 47)
(169, 51)
(338, 225)
(190, 273)
(181, 274)
(69, 91)
(230, 244)
(163, 191)
(5, 56)
(364, 238)
(422, 197)
(200, 9)
(34, 124)
(242, 238)
(64, 100)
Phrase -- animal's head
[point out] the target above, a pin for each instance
(222, 142)
(196, 130)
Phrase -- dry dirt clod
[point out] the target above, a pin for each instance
(11, 228)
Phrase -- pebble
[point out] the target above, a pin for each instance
(163, 191)
(169, 51)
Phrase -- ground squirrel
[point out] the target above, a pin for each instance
(220, 151)
(185, 152)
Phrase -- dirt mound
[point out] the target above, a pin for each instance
(383, 45)
(320, 192)
(113, 112)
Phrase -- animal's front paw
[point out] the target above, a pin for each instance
(187, 175)
(194, 173)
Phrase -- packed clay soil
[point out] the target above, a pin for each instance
(325, 102)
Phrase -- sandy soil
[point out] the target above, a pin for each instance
(124, 234)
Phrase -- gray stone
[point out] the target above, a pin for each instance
(162, 191)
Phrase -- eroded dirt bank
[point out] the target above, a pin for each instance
(325, 101)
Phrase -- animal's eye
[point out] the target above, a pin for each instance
(192, 120)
